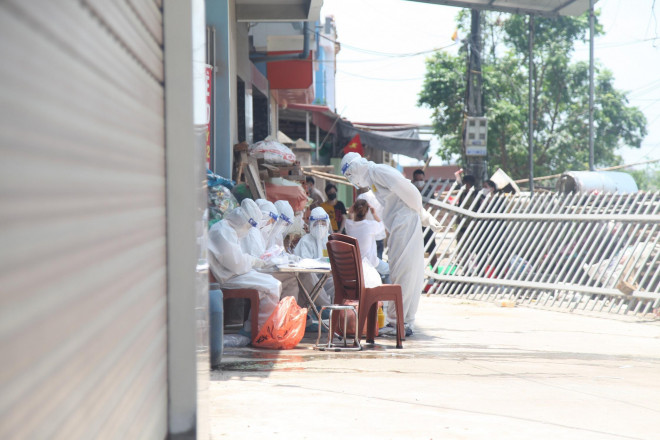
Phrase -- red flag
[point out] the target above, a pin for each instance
(354, 146)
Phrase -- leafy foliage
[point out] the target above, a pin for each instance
(560, 89)
(647, 178)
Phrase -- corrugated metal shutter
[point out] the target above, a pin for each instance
(82, 220)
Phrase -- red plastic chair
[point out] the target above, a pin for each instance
(346, 264)
(250, 294)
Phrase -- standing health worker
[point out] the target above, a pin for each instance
(403, 216)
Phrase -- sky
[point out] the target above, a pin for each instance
(384, 44)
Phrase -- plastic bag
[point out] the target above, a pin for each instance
(235, 341)
(241, 192)
(370, 274)
(284, 328)
(272, 152)
(220, 201)
(215, 180)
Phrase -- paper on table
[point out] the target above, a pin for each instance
(310, 263)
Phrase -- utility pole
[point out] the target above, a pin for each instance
(476, 164)
(531, 104)
(591, 85)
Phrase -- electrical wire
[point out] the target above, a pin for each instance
(385, 54)
(381, 79)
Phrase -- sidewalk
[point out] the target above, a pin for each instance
(471, 371)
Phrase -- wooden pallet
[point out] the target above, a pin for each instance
(246, 169)
(290, 172)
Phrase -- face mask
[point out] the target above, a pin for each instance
(419, 183)
(332, 196)
(319, 231)
(486, 191)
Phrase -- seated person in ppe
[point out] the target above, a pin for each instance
(254, 243)
(276, 252)
(403, 216)
(267, 210)
(365, 231)
(233, 268)
(314, 245)
(280, 227)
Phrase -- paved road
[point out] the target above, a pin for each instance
(472, 371)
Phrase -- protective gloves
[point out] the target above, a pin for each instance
(429, 220)
(258, 263)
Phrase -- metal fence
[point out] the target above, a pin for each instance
(592, 252)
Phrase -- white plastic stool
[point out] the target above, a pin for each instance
(331, 334)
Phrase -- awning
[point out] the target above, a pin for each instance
(394, 138)
(278, 10)
(544, 8)
(405, 141)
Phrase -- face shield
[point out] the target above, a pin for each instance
(319, 229)
(319, 224)
(240, 221)
(278, 231)
(357, 171)
(269, 216)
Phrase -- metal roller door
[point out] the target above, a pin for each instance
(83, 310)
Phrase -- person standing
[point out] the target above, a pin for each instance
(335, 209)
(313, 193)
(466, 200)
(419, 179)
(403, 216)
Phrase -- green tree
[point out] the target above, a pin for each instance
(560, 97)
(647, 178)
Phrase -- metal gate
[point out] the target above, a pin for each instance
(592, 252)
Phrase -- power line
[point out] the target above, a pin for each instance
(381, 79)
(385, 54)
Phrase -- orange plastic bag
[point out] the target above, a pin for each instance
(284, 328)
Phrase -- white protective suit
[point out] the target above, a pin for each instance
(275, 245)
(281, 226)
(254, 242)
(403, 216)
(269, 216)
(233, 267)
(314, 245)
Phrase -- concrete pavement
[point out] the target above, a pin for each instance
(471, 371)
